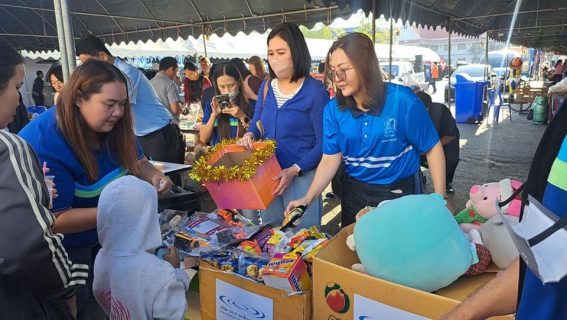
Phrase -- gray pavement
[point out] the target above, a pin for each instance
(488, 154)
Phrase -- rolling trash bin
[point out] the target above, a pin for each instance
(468, 99)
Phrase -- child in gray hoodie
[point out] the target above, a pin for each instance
(130, 282)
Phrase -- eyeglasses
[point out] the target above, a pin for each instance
(341, 74)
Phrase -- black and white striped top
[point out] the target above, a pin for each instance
(29, 251)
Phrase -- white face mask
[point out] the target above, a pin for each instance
(282, 68)
(544, 254)
(233, 95)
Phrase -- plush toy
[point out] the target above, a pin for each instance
(515, 75)
(413, 241)
(481, 206)
(497, 240)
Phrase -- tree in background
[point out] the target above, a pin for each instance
(321, 31)
(382, 30)
(475, 49)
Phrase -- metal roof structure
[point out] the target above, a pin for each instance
(31, 24)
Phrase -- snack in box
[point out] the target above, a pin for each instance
(251, 266)
(287, 271)
(204, 227)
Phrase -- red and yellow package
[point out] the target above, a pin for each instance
(287, 272)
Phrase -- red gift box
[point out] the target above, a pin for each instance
(255, 193)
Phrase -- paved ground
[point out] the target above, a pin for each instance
(488, 154)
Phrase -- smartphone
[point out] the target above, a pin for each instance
(223, 100)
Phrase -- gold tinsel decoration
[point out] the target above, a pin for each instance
(202, 171)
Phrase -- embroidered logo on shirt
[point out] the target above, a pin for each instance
(390, 129)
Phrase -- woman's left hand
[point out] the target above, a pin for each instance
(286, 177)
(234, 111)
(162, 183)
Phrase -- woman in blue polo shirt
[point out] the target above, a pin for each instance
(88, 141)
(378, 129)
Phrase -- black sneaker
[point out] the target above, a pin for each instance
(450, 189)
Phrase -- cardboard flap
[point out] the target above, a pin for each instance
(336, 251)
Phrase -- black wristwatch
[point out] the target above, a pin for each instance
(299, 170)
(246, 120)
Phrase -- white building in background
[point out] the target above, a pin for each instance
(463, 49)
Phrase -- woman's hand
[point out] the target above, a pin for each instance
(162, 183)
(296, 203)
(247, 141)
(286, 177)
(234, 111)
(216, 109)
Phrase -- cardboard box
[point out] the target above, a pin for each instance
(229, 296)
(255, 193)
(341, 293)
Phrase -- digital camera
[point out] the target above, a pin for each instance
(223, 100)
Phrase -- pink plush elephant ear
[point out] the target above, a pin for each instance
(515, 184)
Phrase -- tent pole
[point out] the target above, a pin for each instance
(69, 39)
(486, 62)
(391, 45)
(450, 70)
(62, 39)
(373, 21)
(204, 41)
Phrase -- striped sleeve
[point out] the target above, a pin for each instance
(28, 248)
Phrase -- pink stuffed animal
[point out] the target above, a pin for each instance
(480, 208)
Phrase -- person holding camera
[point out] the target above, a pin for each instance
(228, 114)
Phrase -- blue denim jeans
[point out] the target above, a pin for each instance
(87, 306)
(298, 188)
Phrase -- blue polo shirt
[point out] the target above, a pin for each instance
(539, 301)
(382, 145)
(74, 190)
(233, 122)
(148, 111)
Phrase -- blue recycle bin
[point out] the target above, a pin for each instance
(468, 99)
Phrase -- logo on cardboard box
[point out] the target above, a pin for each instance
(231, 303)
(337, 298)
(239, 304)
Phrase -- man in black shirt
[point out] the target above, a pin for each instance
(448, 134)
(37, 89)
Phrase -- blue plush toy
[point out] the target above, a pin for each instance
(413, 241)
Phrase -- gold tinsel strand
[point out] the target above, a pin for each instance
(202, 171)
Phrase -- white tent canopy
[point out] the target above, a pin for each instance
(239, 46)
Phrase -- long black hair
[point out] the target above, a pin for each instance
(229, 69)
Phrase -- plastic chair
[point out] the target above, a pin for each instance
(495, 102)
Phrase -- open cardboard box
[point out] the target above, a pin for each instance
(341, 293)
(255, 193)
(225, 295)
